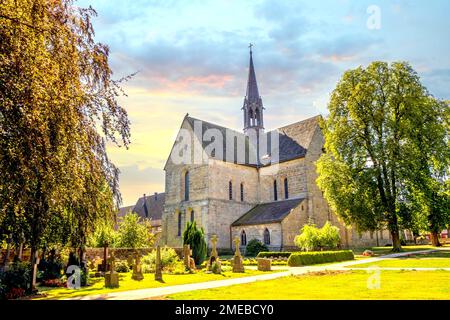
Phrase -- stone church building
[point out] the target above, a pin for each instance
(263, 199)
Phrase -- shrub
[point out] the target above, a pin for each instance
(15, 280)
(274, 255)
(122, 266)
(51, 267)
(254, 247)
(308, 258)
(170, 261)
(196, 239)
(134, 233)
(312, 238)
(329, 237)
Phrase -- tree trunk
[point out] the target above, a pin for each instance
(34, 262)
(396, 243)
(8, 252)
(435, 239)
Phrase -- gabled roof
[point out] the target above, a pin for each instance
(294, 139)
(268, 212)
(152, 208)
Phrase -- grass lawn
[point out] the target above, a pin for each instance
(380, 251)
(439, 259)
(334, 286)
(126, 283)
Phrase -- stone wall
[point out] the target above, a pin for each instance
(257, 232)
(293, 170)
(292, 224)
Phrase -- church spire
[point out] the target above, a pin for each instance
(253, 107)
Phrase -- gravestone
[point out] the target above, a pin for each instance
(158, 267)
(187, 252)
(137, 268)
(238, 263)
(112, 277)
(214, 258)
(264, 264)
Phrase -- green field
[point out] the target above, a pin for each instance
(126, 283)
(440, 259)
(335, 286)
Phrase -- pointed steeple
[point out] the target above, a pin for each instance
(253, 107)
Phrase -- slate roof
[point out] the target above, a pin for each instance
(152, 208)
(268, 212)
(294, 139)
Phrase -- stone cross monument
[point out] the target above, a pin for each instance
(238, 264)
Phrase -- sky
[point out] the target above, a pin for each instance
(192, 57)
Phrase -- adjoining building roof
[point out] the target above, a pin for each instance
(268, 212)
(294, 139)
(150, 207)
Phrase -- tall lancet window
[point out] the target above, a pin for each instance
(243, 238)
(275, 190)
(179, 223)
(186, 186)
(230, 190)
(266, 236)
(286, 188)
(242, 192)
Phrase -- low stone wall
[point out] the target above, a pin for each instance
(122, 253)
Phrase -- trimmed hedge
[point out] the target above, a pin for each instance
(274, 254)
(307, 258)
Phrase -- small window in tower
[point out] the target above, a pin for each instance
(275, 190)
(230, 190)
(192, 216)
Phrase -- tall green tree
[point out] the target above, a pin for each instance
(56, 91)
(376, 116)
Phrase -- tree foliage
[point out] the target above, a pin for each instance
(134, 232)
(56, 90)
(385, 136)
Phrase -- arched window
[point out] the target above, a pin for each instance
(286, 188)
(266, 236)
(242, 192)
(179, 224)
(243, 238)
(230, 190)
(186, 186)
(275, 190)
(192, 215)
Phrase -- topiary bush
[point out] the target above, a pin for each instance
(254, 247)
(195, 237)
(308, 258)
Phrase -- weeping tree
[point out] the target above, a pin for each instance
(195, 238)
(373, 151)
(56, 91)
